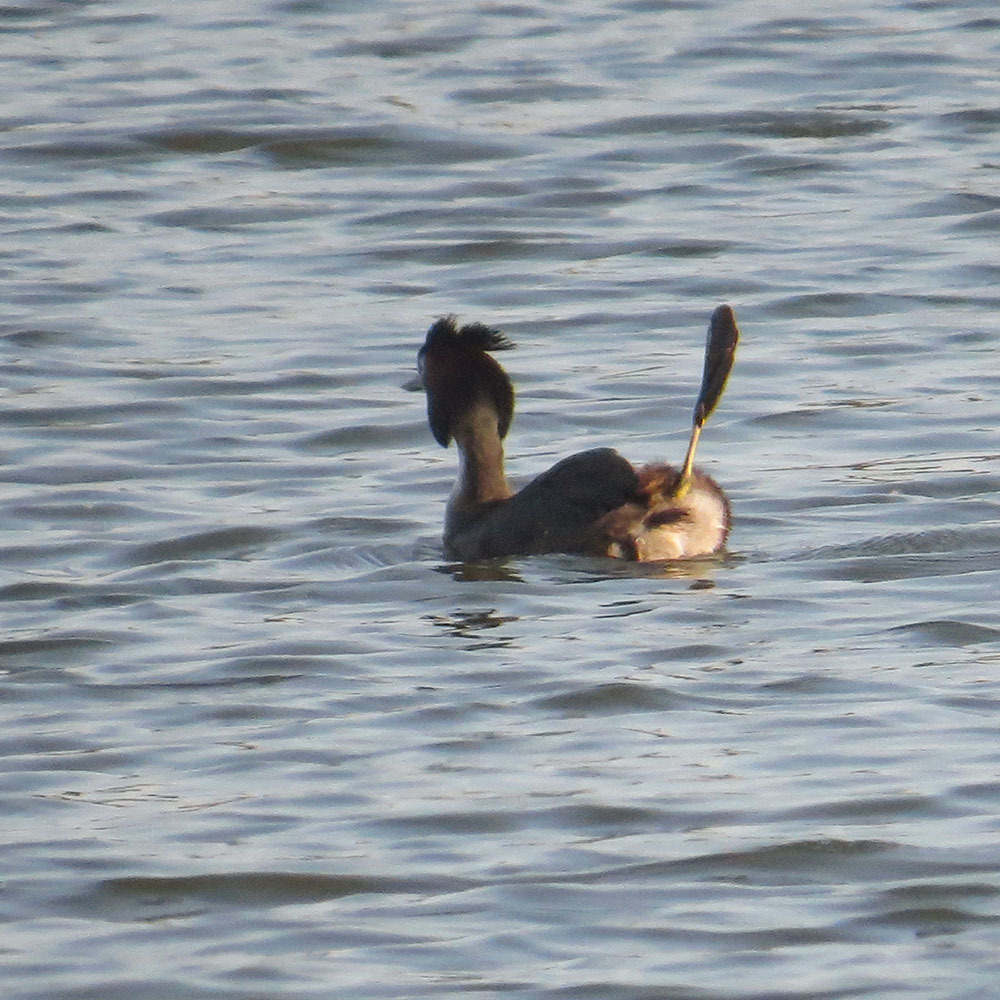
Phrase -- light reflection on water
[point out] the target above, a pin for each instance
(259, 738)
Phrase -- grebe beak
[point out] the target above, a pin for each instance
(418, 383)
(720, 352)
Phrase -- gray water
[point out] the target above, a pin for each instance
(260, 739)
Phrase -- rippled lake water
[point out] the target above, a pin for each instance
(260, 739)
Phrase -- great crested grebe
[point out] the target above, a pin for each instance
(594, 502)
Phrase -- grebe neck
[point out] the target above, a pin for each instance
(481, 477)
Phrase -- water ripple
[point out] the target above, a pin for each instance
(259, 737)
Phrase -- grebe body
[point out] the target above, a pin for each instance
(594, 502)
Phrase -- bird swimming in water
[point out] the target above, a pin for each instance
(594, 502)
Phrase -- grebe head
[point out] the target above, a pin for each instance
(459, 374)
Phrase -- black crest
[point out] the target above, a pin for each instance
(446, 335)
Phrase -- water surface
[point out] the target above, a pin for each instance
(260, 739)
